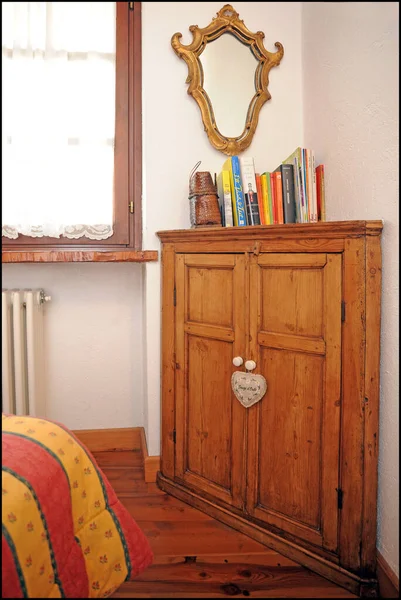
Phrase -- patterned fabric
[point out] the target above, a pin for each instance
(65, 533)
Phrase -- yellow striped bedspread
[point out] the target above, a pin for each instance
(65, 533)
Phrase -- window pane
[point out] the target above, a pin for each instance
(58, 117)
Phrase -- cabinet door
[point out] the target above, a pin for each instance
(294, 431)
(210, 332)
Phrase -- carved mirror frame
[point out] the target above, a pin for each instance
(227, 20)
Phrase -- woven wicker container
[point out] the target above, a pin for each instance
(201, 182)
(203, 200)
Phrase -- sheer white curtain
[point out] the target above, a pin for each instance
(58, 61)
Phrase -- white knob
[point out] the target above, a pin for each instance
(238, 361)
(250, 365)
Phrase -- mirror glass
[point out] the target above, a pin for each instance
(229, 80)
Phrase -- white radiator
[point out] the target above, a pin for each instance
(23, 362)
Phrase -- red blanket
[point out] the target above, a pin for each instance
(65, 533)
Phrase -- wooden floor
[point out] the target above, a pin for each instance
(196, 556)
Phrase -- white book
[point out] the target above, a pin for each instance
(225, 198)
(248, 177)
(309, 178)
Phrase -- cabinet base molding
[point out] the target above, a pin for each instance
(361, 587)
(151, 464)
(389, 584)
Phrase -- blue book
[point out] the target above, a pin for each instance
(237, 191)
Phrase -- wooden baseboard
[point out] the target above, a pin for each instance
(151, 463)
(130, 438)
(107, 440)
(389, 584)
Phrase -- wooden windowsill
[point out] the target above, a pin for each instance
(62, 256)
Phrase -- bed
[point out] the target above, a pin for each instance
(65, 533)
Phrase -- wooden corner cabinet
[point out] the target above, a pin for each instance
(297, 470)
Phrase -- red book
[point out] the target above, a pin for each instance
(273, 190)
(260, 202)
(278, 189)
(321, 207)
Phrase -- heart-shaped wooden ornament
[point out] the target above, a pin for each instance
(248, 388)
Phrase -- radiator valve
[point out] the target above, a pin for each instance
(43, 297)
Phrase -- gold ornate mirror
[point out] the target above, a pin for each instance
(236, 77)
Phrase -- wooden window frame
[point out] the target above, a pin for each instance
(127, 225)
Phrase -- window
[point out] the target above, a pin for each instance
(71, 136)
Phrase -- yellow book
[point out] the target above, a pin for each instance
(227, 166)
(265, 199)
(232, 166)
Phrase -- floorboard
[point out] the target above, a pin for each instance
(196, 556)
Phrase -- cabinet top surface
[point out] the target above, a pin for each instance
(328, 229)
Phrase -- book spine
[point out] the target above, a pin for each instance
(263, 183)
(273, 213)
(279, 196)
(318, 196)
(303, 186)
(321, 208)
(298, 185)
(238, 192)
(269, 205)
(269, 198)
(227, 199)
(260, 199)
(227, 166)
(295, 159)
(309, 180)
(297, 191)
(252, 208)
(274, 201)
(323, 196)
(302, 191)
(305, 181)
(314, 190)
(249, 188)
(287, 175)
(220, 194)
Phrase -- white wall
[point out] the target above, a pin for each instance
(350, 62)
(174, 138)
(93, 340)
(103, 325)
(110, 375)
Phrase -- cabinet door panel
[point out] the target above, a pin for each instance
(209, 411)
(295, 446)
(210, 331)
(294, 431)
(300, 294)
(203, 285)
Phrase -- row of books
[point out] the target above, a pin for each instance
(292, 193)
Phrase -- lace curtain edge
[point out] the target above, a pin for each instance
(93, 232)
